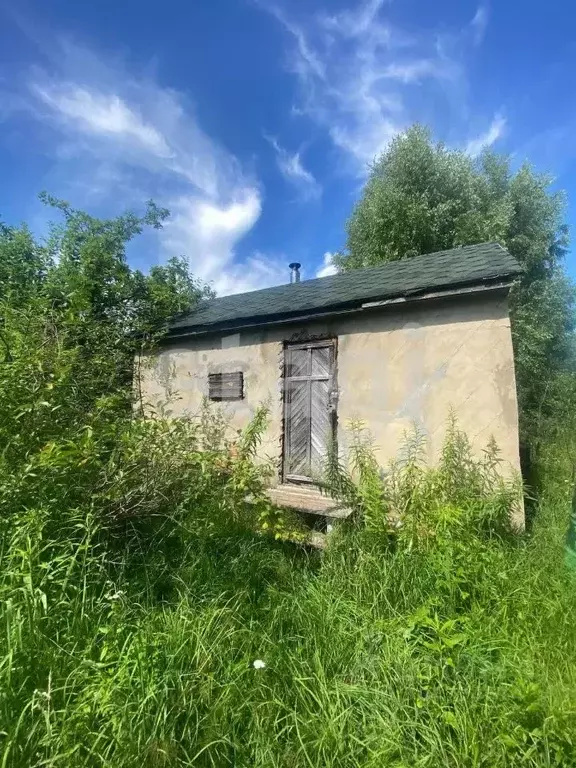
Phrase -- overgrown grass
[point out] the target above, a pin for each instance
(135, 595)
(449, 643)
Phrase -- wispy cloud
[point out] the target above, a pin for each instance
(479, 24)
(101, 115)
(494, 132)
(291, 167)
(357, 21)
(128, 130)
(364, 79)
(328, 267)
(413, 71)
(306, 61)
(341, 83)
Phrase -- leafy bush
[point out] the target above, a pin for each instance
(414, 504)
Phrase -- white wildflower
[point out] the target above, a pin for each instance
(41, 699)
(44, 695)
(258, 664)
(118, 595)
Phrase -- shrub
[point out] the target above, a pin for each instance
(413, 504)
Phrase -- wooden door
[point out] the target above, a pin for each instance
(309, 408)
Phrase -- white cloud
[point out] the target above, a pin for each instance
(291, 167)
(364, 79)
(122, 131)
(328, 267)
(204, 227)
(479, 24)
(306, 61)
(352, 23)
(412, 71)
(343, 90)
(102, 115)
(495, 131)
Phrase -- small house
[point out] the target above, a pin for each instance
(391, 346)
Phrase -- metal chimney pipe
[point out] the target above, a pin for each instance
(294, 272)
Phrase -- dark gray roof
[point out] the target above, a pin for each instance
(466, 266)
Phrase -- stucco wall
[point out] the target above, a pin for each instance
(395, 367)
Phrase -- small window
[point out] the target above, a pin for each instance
(226, 386)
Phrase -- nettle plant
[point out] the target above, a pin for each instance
(416, 505)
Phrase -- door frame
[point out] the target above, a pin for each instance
(323, 341)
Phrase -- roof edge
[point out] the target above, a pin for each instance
(483, 262)
(494, 285)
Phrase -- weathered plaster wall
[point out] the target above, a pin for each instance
(396, 367)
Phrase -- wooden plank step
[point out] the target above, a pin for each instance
(308, 500)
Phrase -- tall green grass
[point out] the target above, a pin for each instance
(446, 641)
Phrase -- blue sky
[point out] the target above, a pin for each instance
(253, 121)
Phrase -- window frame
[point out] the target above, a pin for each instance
(219, 382)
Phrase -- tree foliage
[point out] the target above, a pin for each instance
(72, 315)
(423, 197)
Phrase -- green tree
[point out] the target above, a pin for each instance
(423, 197)
(73, 314)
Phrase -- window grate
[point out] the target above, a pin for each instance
(226, 386)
